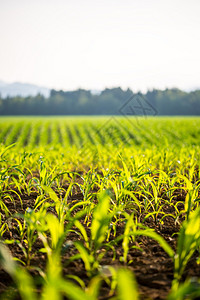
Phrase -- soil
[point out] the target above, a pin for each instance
(152, 267)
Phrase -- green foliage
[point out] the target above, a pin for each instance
(127, 287)
(190, 289)
(69, 177)
(108, 102)
(101, 220)
(188, 242)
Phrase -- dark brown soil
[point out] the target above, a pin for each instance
(152, 267)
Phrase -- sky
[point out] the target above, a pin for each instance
(90, 44)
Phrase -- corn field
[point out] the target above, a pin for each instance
(99, 208)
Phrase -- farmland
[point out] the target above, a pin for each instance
(100, 208)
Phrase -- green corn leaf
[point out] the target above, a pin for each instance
(83, 232)
(188, 290)
(85, 256)
(56, 229)
(101, 218)
(73, 292)
(51, 193)
(127, 287)
(20, 276)
(25, 285)
(6, 260)
(94, 286)
(188, 242)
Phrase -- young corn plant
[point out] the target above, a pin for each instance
(90, 252)
(61, 203)
(190, 289)
(88, 184)
(191, 197)
(188, 242)
(134, 229)
(57, 234)
(28, 230)
(125, 197)
(20, 276)
(54, 286)
(3, 227)
(131, 226)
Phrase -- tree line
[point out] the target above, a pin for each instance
(113, 101)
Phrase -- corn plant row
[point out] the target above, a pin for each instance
(138, 132)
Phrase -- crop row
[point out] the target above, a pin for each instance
(105, 131)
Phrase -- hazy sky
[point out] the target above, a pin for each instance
(69, 44)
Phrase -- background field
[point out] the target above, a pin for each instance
(70, 131)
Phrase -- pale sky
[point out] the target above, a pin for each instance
(70, 44)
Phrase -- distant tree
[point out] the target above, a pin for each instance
(108, 102)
